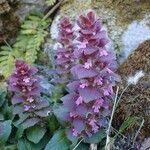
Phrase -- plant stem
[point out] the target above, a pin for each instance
(52, 10)
(137, 133)
(78, 144)
(110, 122)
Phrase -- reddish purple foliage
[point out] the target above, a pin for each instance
(26, 88)
(88, 103)
(64, 54)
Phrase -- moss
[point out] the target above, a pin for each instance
(135, 102)
(136, 99)
(127, 10)
(118, 14)
(138, 60)
(72, 8)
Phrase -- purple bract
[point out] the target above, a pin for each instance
(25, 85)
(64, 57)
(88, 103)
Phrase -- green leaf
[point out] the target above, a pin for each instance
(97, 137)
(59, 141)
(35, 133)
(5, 130)
(53, 124)
(24, 144)
(19, 132)
(38, 146)
(82, 146)
(22, 118)
(21, 145)
(130, 121)
(1, 117)
(2, 97)
(30, 122)
(11, 147)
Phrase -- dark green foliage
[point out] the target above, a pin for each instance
(128, 123)
(97, 137)
(5, 130)
(35, 133)
(59, 141)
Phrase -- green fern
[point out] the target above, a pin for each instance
(50, 2)
(7, 59)
(28, 43)
(32, 35)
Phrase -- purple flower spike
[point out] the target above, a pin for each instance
(94, 77)
(25, 85)
(64, 57)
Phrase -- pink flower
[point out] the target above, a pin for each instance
(73, 114)
(82, 45)
(106, 92)
(26, 108)
(30, 99)
(88, 64)
(79, 100)
(95, 128)
(97, 105)
(109, 70)
(98, 81)
(83, 85)
(26, 80)
(103, 53)
(75, 132)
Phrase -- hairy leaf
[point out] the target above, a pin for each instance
(97, 137)
(35, 133)
(5, 130)
(59, 141)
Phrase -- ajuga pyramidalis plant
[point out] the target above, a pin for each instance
(64, 53)
(87, 106)
(24, 83)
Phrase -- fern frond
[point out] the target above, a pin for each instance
(28, 43)
(50, 2)
(32, 35)
(6, 60)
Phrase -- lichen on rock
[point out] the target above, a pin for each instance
(136, 99)
(137, 60)
(117, 15)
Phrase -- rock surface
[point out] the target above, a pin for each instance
(13, 12)
(136, 99)
(127, 22)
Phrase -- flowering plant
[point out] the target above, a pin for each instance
(86, 68)
(64, 57)
(88, 103)
(26, 88)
